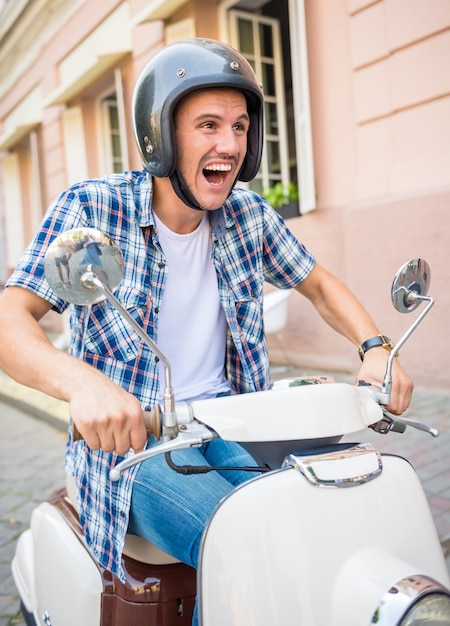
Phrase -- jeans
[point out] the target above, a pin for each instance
(171, 510)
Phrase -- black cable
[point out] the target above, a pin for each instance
(204, 469)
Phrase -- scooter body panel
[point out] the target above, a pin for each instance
(302, 413)
(49, 565)
(309, 555)
(59, 582)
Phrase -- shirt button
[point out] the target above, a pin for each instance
(253, 294)
(161, 264)
(156, 359)
(122, 514)
(156, 309)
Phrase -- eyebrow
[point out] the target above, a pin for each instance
(215, 116)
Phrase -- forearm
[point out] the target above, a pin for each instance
(105, 414)
(338, 307)
(29, 358)
(343, 312)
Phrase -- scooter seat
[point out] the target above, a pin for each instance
(135, 547)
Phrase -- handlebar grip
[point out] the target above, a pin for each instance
(152, 422)
(152, 425)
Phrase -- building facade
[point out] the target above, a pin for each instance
(357, 119)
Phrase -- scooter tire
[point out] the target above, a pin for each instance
(28, 617)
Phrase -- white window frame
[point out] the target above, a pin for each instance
(268, 179)
(107, 135)
(302, 107)
(105, 131)
(302, 110)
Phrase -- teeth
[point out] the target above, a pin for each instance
(218, 168)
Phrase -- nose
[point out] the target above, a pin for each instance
(227, 142)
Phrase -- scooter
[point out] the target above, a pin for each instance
(328, 532)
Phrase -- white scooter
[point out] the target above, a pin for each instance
(328, 534)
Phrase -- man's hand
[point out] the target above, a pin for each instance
(108, 417)
(373, 370)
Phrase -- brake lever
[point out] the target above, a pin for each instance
(393, 423)
(419, 425)
(189, 436)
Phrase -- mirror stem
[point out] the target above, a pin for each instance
(385, 395)
(89, 280)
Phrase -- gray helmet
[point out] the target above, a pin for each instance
(177, 70)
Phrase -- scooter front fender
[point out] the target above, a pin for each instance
(277, 549)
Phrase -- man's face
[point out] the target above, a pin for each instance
(211, 129)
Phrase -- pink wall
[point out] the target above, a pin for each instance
(380, 97)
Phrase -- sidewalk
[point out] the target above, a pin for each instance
(429, 456)
(35, 403)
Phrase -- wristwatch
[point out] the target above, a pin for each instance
(380, 341)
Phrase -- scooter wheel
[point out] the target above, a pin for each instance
(29, 617)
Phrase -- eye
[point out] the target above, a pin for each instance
(242, 126)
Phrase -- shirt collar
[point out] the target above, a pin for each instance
(219, 222)
(220, 219)
(143, 201)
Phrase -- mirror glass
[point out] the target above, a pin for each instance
(412, 278)
(76, 252)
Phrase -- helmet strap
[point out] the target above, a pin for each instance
(182, 191)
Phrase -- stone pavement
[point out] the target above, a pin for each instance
(31, 468)
(31, 456)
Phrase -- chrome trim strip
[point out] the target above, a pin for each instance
(346, 467)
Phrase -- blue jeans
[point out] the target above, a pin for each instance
(171, 510)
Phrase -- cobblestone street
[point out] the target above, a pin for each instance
(31, 457)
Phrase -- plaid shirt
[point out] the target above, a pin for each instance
(250, 245)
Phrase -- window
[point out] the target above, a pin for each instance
(111, 134)
(258, 38)
(113, 128)
(271, 34)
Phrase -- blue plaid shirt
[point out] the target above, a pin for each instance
(250, 245)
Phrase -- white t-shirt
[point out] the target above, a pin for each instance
(192, 326)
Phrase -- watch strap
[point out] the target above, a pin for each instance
(379, 341)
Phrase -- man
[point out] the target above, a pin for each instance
(62, 256)
(197, 251)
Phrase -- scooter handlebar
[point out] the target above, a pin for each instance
(394, 423)
(152, 423)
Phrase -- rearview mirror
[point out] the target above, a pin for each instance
(412, 280)
(74, 254)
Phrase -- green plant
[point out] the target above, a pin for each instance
(278, 195)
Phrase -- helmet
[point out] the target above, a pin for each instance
(177, 70)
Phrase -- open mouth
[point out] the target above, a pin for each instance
(217, 173)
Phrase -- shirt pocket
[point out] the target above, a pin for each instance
(247, 302)
(108, 334)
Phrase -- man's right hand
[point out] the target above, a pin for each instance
(108, 417)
